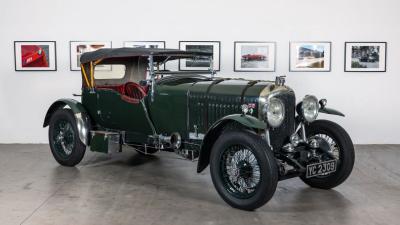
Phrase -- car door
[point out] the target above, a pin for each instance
(117, 112)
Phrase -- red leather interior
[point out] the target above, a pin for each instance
(130, 92)
(134, 90)
(118, 88)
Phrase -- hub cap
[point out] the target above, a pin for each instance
(63, 138)
(334, 151)
(334, 147)
(240, 171)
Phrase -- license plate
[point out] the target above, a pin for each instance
(321, 168)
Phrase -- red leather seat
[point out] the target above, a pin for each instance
(130, 92)
(133, 92)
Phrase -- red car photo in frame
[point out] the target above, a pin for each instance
(34, 56)
(250, 57)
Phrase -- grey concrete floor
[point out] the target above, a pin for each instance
(131, 189)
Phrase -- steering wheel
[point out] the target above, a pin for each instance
(134, 90)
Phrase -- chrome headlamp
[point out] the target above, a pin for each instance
(310, 108)
(274, 112)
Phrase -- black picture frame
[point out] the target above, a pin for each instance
(364, 42)
(70, 52)
(34, 70)
(261, 42)
(164, 43)
(214, 42)
(163, 67)
(310, 70)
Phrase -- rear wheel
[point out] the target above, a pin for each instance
(243, 169)
(65, 145)
(341, 148)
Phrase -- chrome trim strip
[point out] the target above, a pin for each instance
(196, 136)
(82, 124)
(268, 138)
(268, 92)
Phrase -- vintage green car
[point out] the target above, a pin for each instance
(251, 132)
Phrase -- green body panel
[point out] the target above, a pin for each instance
(111, 112)
(185, 107)
(222, 99)
(169, 109)
(89, 100)
(180, 107)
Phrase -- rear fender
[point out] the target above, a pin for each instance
(216, 129)
(81, 117)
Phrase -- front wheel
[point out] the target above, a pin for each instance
(67, 148)
(243, 169)
(341, 147)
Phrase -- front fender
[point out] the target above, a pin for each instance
(81, 117)
(245, 120)
(217, 128)
(330, 111)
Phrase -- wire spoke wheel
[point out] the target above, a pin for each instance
(339, 147)
(240, 171)
(65, 144)
(243, 169)
(63, 138)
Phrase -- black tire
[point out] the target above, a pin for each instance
(65, 145)
(346, 154)
(268, 171)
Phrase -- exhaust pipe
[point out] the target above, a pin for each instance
(174, 141)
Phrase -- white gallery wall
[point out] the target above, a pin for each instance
(371, 101)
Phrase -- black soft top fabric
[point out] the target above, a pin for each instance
(159, 54)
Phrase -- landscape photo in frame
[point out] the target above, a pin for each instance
(310, 56)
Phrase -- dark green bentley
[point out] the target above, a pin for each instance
(251, 132)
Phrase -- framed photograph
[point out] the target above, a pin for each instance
(144, 44)
(254, 56)
(365, 57)
(35, 56)
(310, 56)
(77, 48)
(213, 47)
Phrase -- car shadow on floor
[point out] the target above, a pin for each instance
(178, 178)
(122, 159)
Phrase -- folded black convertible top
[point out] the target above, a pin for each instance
(159, 54)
